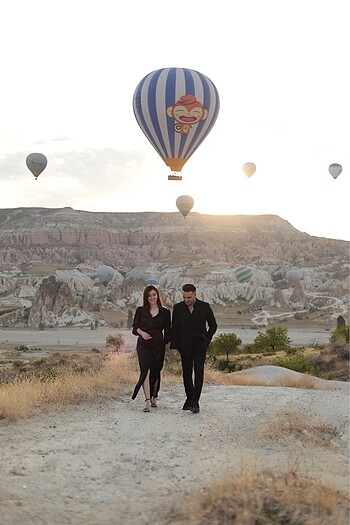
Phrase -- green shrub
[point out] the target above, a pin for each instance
(342, 351)
(274, 338)
(298, 363)
(17, 363)
(224, 344)
(340, 335)
(222, 365)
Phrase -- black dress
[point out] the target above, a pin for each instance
(151, 353)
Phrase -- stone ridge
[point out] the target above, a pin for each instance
(124, 240)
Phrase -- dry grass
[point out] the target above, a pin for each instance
(215, 377)
(307, 382)
(292, 425)
(264, 498)
(72, 378)
(20, 397)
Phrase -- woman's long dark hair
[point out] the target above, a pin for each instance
(146, 291)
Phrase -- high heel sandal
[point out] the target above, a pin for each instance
(146, 409)
(153, 403)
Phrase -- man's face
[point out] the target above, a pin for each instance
(189, 298)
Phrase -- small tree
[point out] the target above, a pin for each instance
(115, 342)
(225, 344)
(129, 321)
(341, 335)
(275, 338)
(340, 321)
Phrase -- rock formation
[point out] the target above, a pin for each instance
(48, 258)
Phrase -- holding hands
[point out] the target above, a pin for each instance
(174, 352)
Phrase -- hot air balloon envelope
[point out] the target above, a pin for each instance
(36, 163)
(176, 108)
(243, 274)
(184, 204)
(249, 168)
(149, 282)
(293, 277)
(105, 274)
(335, 170)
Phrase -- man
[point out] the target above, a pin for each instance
(193, 326)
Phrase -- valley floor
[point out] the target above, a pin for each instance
(108, 462)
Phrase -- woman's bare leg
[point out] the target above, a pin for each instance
(147, 391)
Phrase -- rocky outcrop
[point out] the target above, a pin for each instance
(48, 261)
(54, 305)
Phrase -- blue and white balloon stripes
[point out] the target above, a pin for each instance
(176, 108)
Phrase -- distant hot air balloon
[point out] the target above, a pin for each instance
(176, 108)
(293, 277)
(249, 168)
(105, 274)
(184, 204)
(243, 274)
(151, 282)
(335, 170)
(36, 162)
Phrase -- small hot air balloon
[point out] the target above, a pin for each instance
(243, 274)
(249, 168)
(293, 277)
(36, 162)
(335, 170)
(105, 274)
(176, 108)
(151, 282)
(184, 204)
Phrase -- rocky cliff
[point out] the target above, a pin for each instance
(36, 243)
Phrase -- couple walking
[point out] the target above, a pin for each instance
(189, 332)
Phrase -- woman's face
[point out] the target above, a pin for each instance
(152, 297)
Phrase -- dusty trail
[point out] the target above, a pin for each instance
(107, 462)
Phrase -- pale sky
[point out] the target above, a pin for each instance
(69, 69)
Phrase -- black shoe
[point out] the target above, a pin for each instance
(187, 405)
(195, 407)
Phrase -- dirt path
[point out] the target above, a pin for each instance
(108, 463)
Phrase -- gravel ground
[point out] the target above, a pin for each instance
(108, 463)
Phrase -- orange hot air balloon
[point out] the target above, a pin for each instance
(249, 168)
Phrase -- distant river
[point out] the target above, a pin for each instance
(96, 338)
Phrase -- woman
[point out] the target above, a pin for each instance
(152, 325)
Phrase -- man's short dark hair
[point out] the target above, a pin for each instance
(188, 288)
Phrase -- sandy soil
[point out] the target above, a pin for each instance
(107, 462)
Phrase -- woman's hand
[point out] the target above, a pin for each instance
(145, 336)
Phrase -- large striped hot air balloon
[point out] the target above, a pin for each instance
(176, 108)
(243, 274)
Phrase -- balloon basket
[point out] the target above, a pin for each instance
(174, 177)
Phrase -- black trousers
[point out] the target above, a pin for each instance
(192, 360)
